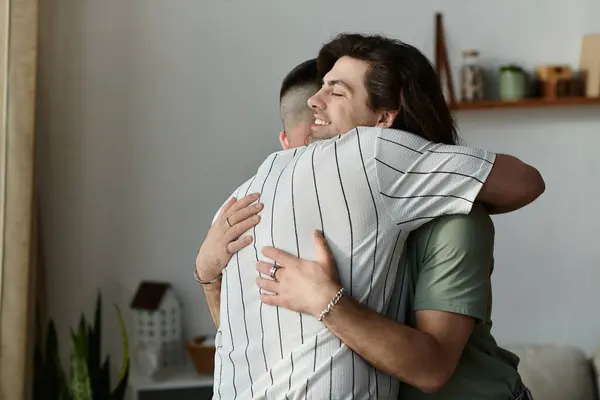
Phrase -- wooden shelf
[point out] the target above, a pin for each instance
(527, 103)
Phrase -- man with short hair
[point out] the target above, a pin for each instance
(401, 168)
(300, 84)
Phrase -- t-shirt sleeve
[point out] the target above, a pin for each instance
(419, 180)
(454, 272)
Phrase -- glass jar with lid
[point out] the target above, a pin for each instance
(471, 77)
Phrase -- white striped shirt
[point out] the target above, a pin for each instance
(366, 190)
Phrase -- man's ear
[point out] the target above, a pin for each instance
(386, 118)
(283, 139)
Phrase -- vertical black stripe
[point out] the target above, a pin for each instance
(230, 331)
(399, 299)
(220, 364)
(237, 258)
(401, 291)
(316, 191)
(331, 375)
(297, 255)
(262, 326)
(273, 242)
(323, 231)
(290, 378)
(371, 369)
(388, 272)
(389, 304)
(297, 242)
(314, 365)
(226, 278)
(273, 245)
(337, 163)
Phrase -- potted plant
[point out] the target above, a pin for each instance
(89, 377)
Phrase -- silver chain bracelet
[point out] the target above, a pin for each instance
(332, 303)
(217, 279)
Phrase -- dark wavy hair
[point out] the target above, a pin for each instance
(400, 78)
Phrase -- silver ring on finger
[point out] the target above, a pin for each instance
(228, 223)
(274, 269)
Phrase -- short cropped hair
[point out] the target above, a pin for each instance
(297, 87)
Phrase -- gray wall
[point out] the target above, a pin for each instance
(151, 112)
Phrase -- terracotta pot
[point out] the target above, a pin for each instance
(203, 356)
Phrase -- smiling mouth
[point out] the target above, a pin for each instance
(321, 122)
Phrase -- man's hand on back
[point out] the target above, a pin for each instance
(223, 239)
(300, 285)
(221, 242)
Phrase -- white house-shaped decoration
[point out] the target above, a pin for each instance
(158, 323)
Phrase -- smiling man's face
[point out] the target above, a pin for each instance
(342, 102)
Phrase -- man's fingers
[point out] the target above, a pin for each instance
(242, 203)
(279, 256)
(240, 228)
(237, 245)
(227, 206)
(264, 267)
(270, 299)
(268, 284)
(322, 252)
(243, 214)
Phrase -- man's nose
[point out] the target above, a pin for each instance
(316, 101)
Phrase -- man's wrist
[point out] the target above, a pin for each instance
(213, 287)
(330, 292)
(209, 278)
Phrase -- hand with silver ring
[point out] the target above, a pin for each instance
(303, 286)
(274, 271)
(223, 238)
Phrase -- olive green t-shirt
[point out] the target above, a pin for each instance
(450, 261)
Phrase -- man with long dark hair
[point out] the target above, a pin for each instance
(366, 189)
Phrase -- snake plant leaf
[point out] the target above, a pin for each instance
(94, 353)
(103, 391)
(80, 380)
(49, 380)
(118, 392)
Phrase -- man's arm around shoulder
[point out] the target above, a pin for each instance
(510, 185)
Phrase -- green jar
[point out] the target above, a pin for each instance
(512, 83)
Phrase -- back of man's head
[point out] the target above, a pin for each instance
(400, 78)
(297, 87)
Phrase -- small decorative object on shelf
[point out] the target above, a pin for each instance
(512, 83)
(158, 328)
(471, 77)
(202, 352)
(553, 80)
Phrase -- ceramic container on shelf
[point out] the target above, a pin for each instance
(512, 83)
